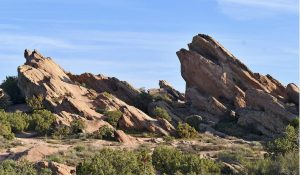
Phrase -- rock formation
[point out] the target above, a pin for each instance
(218, 83)
(69, 99)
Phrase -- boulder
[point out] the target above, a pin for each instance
(292, 91)
(57, 168)
(163, 84)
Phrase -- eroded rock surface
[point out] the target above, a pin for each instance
(71, 100)
(219, 84)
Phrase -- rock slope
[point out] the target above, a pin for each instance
(70, 100)
(218, 84)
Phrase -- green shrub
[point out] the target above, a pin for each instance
(107, 94)
(42, 120)
(113, 162)
(184, 130)
(77, 126)
(104, 132)
(61, 131)
(170, 161)
(36, 102)
(10, 167)
(284, 165)
(113, 117)
(18, 121)
(4, 102)
(161, 113)
(287, 143)
(10, 86)
(194, 121)
(5, 131)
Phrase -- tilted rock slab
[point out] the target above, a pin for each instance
(69, 100)
(217, 83)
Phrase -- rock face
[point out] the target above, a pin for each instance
(67, 98)
(293, 93)
(217, 83)
(57, 168)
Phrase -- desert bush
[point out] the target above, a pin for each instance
(287, 143)
(113, 117)
(10, 86)
(161, 113)
(18, 121)
(5, 102)
(107, 94)
(283, 164)
(61, 131)
(10, 167)
(113, 162)
(104, 132)
(143, 100)
(170, 161)
(77, 126)
(5, 131)
(184, 130)
(35, 102)
(41, 121)
(194, 121)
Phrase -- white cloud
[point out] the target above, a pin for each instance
(248, 9)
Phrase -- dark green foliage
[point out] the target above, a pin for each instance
(10, 86)
(184, 130)
(5, 102)
(77, 126)
(287, 143)
(170, 160)
(5, 131)
(287, 164)
(116, 162)
(10, 167)
(36, 102)
(61, 131)
(143, 100)
(113, 117)
(16, 121)
(161, 113)
(194, 121)
(104, 132)
(42, 120)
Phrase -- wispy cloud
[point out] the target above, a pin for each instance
(247, 9)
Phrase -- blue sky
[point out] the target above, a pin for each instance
(136, 40)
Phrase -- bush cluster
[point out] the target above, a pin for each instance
(113, 162)
(164, 160)
(103, 132)
(8, 167)
(159, 112)
(169, 160)
(40, 121)
(184, 130)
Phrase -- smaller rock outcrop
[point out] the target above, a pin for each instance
(57, 168)
(293, 93)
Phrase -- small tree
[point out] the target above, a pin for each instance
(42, 120)
(184, 130)
(36, 102)
(10, 86)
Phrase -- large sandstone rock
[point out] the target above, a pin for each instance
(293, 93)
(69, 100)
(100, 83)
(219, 84)
(163, 84)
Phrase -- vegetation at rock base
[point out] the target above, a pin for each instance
(170, 161)
(113, 117)
(10, 167)
(77, 126)
(112, 162)
(35, 102)
(10, 86)
(104, 132)
(184, 130)
(161, 113)
(194, 121)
